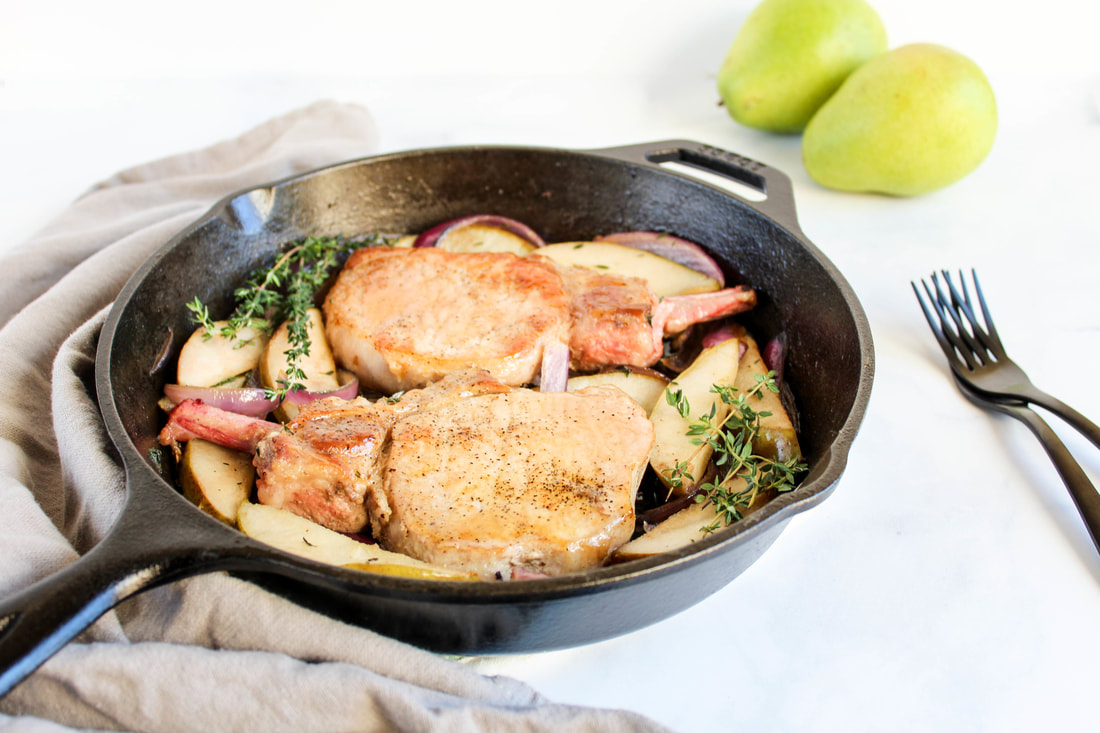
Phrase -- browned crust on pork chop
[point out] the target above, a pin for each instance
(402, 318)
(543, 482)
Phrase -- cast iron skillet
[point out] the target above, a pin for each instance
(565, 195)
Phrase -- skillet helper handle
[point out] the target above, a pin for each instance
(38, 621)
(759, 186)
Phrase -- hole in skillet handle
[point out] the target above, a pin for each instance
(736, 176)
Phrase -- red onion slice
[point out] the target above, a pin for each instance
(671, 247)
(525, 574)
(652, 517)
(346, 391)
(720, 334)
(430, 237)
(249, 401)
(774, 354)
(554, 376)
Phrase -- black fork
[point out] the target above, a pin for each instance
(977, 356)
(988, 378)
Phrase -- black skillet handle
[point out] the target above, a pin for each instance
(141, 551)
(764, 189)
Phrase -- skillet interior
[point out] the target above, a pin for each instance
(564, 195)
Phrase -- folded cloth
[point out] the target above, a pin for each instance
(212, 652)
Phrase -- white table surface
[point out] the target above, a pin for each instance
(947, 584)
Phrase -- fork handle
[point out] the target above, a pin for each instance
(1084, 494)
(1083, 425)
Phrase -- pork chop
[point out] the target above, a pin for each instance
(540, 481)
(467, 473)
(400, 318)
(323, 463)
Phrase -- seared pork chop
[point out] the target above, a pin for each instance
(401, 318)
(541, 481)
(323, 463)
(466, 473)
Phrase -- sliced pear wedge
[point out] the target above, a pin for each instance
(481, 238)
(319, 365)
(212, 360)
(216, 479)
(776, 437)
(685, 527)
(409, 571)
(665, 277)
(673, 445)
(645, 387)
(299, 536)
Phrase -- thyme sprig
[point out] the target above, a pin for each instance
(741, 474)
(283, 292)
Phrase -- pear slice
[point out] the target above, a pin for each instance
(646, 387)
(673, 446)
(216, 479)
(776, 437)
(665, 277)
(685, 527)
(319, 365)
(299, 536)
(402, 570)
(212, 360)
(481, 238)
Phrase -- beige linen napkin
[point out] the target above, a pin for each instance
(213, 652)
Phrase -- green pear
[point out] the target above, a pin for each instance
(790, 55)
(908, 122)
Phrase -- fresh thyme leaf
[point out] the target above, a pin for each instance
(678, 475)
(742, 474)
(675, 397)
(234, 381)
(284, 292)
(200, 316)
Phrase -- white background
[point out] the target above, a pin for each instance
(947, 584)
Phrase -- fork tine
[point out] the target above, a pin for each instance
(959, 335)
(994, 339)
(944, 334)
(988, 335)
(937, 329)
(965, 298)
(972, 333)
